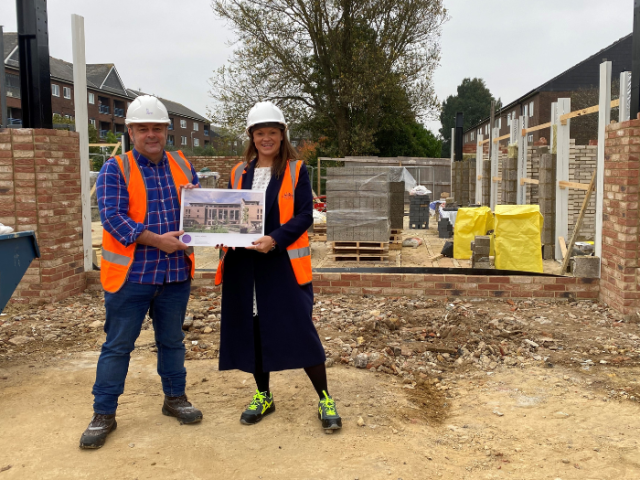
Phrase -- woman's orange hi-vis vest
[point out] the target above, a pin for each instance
(299, 251)
(116, 258)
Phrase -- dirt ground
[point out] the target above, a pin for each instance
(445, 390)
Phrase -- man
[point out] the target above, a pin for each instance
(145, 267)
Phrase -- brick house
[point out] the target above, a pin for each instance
(536, 104)
(107, 101)
(206, 214)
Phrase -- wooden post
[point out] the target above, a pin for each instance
(479, 169)
(82, 127)
(625, 96)
(523, 145)
(578, 225)
(495, 149)
(604, 118)
(562, 145)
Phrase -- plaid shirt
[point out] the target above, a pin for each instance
(150, 264)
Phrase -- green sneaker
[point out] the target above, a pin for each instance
(260, 407)
(328, 414)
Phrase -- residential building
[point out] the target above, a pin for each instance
(207, 214)
(107, 99)
(536, 104)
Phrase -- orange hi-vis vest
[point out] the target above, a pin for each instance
(299, 251)
(116, 258)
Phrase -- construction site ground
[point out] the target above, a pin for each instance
(427, 389)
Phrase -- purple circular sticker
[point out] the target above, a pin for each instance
(186, 238)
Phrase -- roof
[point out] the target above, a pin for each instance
(173, 107)
(100, 76)
(585, 74)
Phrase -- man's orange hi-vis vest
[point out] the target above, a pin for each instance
(116, 258)
(299, 251)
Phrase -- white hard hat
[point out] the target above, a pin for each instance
(147, 109)
(265, 112)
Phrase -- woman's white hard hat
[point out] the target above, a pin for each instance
(147, 109)
(265, 112)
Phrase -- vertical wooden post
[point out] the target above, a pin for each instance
(625, 96)
(562, 144)
(479, 169)
(523, 145)
(604, 118)
(495, 148)
(82, 127)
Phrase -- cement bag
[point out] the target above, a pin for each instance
(470, 222)
(517, 238)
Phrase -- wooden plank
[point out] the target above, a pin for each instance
(484, 142)
(503, 137)
(563, 246)
(104, 144)
(497, 179)
(538, 127)
(115, 149)
(574, 237)
(586, 111)
(479, 177)
(531, 181)
(573, 185)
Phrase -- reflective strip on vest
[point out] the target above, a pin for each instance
(238, 177)
(293, 167)
(127, 168)
(115, 258)
(189, 251)
(183, 165)
(299, 253)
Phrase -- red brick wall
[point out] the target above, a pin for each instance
(619, 279)
(222, 165)
(40, 191)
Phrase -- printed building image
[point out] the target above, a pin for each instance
(247, 212)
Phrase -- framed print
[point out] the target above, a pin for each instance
(214, 216)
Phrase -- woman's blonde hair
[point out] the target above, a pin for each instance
(287, 151)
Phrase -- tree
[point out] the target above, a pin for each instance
(329, 65)
(585, 128)
(473, 100)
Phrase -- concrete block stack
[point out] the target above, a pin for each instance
(396, 205)
(358, 204)
(419, 211)
(481, 247)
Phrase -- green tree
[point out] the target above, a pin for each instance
(329, 65)
(473, 100)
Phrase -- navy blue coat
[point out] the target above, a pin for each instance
(289, 338)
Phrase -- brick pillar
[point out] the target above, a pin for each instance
(547, 199)
(620, 247)
(510, 177)
(40, 191)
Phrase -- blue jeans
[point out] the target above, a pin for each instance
(126, 309)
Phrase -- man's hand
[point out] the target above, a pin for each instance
(167, 242)
(190, 186)
(263, 244)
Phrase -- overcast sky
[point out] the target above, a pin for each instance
(170, 48)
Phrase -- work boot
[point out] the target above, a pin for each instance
(182, 409)
(328, 414)
(96, 433)
(261, 406)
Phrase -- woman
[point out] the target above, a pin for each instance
(267, 296)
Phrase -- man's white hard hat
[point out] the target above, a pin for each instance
(265, 112)
(147, 109)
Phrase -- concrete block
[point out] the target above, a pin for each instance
(585, 267)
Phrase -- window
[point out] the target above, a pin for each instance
(531, 109)
(508, 119)
(196, 142)
(171, 140)
(183, 124)
(525, 111)
(92, 121)
(183, 140)
(170, 123)
(195, 127)
(66, 91)
(92, 98)
(473, 136)
(530, 138)
(55, 90)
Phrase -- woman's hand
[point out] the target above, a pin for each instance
(224, 246)
(190, 186)
(263, 244)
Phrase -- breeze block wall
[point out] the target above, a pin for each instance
(222, 165)
(620, 247)
(40, 191)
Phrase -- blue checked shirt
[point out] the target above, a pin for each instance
(150, 264)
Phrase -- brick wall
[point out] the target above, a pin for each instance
(40, 191)
(620, 247)
(222, 165)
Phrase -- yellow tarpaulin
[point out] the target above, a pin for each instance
(517, 238)
(470, 222)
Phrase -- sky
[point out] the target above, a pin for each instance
(221, 196)
(170, 48)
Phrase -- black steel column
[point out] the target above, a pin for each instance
(4, 116)
(635, 74)
(35, 77)
(459, 134)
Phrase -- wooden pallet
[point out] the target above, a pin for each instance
(318, 238)
(395, 246)
(359, 258)
(358, 244)
(320, 228)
